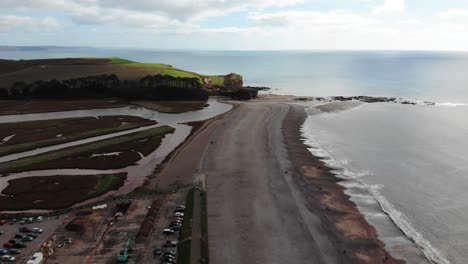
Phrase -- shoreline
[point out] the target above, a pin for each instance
(353, 236)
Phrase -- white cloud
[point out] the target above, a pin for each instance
(454, 13)
(10, 22)
(390, 6)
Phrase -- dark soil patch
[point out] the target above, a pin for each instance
(36, 134)
(56, 192)
(18, 107)
(148, 224)
(95, 155)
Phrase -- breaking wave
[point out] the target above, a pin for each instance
(354, 180)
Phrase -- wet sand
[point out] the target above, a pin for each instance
(269, 199)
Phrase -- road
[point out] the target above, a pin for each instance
(255, 212)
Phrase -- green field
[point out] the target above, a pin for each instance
(169, 70)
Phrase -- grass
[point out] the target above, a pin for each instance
(169, 70)
(107, 182)
(57, 192)
(172, 107)
(21, 164)
(204, 228)
(183, 252)
(186, 230)
(10, 149)
(217, 80)
(184, 248)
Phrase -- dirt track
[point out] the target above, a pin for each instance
(255, 212)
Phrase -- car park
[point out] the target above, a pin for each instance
(8, 258)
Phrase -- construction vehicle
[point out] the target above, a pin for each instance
(123, 256)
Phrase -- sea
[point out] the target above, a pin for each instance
(405, 166)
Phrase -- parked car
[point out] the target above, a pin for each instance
(37, 230)
(178, 218)
(39, 219)
(23, 220)
(19, 245)
(7, 245)
(30, 220)
(27, 238)
(168, 231)
(179, 214)
(157, 251)
(19, 235)
(25, 229)
(169, 259)
(179, 210)
(170, 253)
(15, 251)
(175, 228)
(13, 240)
(3, 251)
(13, 221)
(33, 235)
(170, 243)
(1, 232)
(8, 258)
(3, 221)
(180, 206)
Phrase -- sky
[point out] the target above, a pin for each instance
(238, 24)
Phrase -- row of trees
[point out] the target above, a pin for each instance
(158, 87)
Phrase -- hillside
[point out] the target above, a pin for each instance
(29, 71)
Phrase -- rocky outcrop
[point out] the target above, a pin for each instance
(366, 99)
(233, 81)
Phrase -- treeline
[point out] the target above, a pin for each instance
(158, 87)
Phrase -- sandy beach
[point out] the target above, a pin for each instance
(269, 199)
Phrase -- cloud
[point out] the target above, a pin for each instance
(10, 22)
(454, 13)
(390, 6)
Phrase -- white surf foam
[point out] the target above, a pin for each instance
(398, 218)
